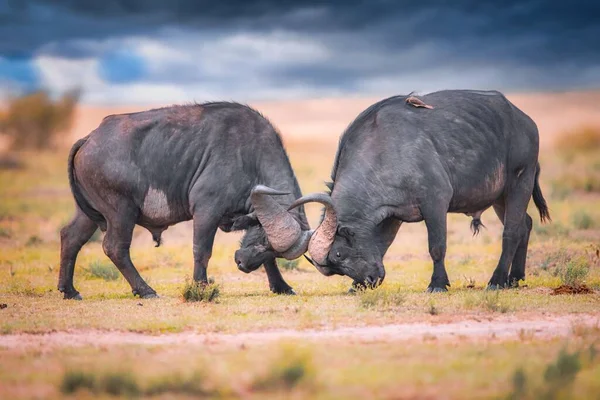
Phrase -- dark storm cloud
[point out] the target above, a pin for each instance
(523, 44)
(552, 29)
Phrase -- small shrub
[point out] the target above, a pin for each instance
(103, 270)
(564, 370)
(555, 229)
(9, 161)
(288, 265)
(119, 384)
(574, 272)
(519, 382)
(192, 384)
(492, 301)
(582, 220)
(33, 241)
(432, 308)
(73, 381)
(35, 120)
(198, 291)
(5, 233)
(381, 298)
(292, 368)
(583, 140)
(21, 287)
(116, 383)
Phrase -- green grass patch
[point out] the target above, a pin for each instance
(103, 270)
(381, 298)
(201, 292)
(115, 383)
(293, 367)
(583, 220)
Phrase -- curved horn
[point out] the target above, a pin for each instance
(323, 237)
(281, 227)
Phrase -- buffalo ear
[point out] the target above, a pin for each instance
(244, 222)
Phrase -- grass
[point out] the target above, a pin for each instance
(103, 270)
(574, 272)
(35, 202)
(293, 367)
(525, 369)
(384, 298)
(580, 153)
(582, 140)
(115, 383)
(197, 291)
(583, 220)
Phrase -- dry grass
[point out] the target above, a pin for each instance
(35, 202)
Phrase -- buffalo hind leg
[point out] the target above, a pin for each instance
(276, 282)
(517, 269)
(205, 229)
(116, 245)
(72, 238)
(516, 232)
(436, 234)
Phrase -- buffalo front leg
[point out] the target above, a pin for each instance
(205, 229)
(436, 234)
(276, 282)
(72, 238)
(116, 245)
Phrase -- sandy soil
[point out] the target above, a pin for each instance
(501, 328)
(325, 119)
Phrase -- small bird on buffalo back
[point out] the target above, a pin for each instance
(415, 102)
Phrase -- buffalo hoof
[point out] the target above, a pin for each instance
(495, 286)
(72, 296)
(432, 289)
(149, 293)
(287, 291)
(514, 283)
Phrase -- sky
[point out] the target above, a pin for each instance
(150, 51)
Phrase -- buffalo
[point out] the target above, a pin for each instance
(409, 159)
(213, 163)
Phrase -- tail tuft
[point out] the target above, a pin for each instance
(538, 198)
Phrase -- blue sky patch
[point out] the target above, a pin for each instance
(21, 71)
(122, 66)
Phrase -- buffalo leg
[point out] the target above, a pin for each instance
(517, 269)
(276, 282)
(205, 229)
(515, 235)
(436, 234)
(116, 245)
(72, 238)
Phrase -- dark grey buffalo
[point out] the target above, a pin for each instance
(406, 159)
(214, 163)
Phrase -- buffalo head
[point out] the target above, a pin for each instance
(271, 231)
(342, 250)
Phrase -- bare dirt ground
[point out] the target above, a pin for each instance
(503, 328)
